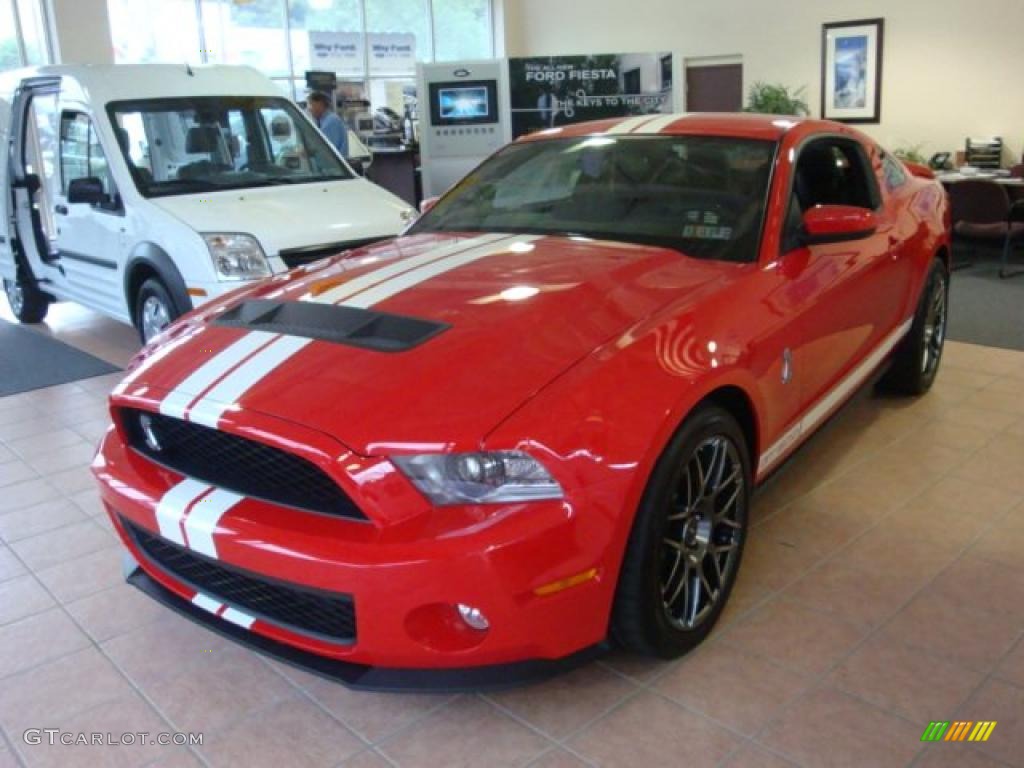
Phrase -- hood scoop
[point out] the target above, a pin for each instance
(334, 323)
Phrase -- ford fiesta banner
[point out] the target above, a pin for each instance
(549, 91)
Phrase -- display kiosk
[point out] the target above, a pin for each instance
(465, 119)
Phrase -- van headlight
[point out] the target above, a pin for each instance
(479, 478)
(236, 256)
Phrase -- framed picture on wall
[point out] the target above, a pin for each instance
(851, 71)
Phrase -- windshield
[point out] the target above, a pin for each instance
(183, 146)
(702, 195)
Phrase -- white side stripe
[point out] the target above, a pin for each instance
(202, 520)
(821, 409)
(172, 506)
(235, 616)
(177, 401)
(352, 287)
(207, 603)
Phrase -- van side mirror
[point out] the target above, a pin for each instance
(838, 224)
(87, 189)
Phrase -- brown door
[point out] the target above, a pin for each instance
(717, 88)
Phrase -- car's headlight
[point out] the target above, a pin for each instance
(479, 478)
(236, 256)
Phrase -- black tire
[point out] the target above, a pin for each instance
(27, 302)
(642, 618)
(153, 294)
(916, 360)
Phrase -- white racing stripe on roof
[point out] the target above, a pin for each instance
(629, 125)
(661, 123)
(229, 390)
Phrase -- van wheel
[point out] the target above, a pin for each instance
(154, 309)
(28, 303)
(687, 540)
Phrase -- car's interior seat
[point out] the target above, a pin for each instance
(204, 140)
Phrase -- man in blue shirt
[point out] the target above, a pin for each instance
(328, 122)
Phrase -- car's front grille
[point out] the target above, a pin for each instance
(236, 463)
(326, 615)
(298, 257)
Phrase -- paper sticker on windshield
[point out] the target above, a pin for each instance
(701, 232)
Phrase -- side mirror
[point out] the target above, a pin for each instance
(87, 190)
(427, 203)
(838, 224)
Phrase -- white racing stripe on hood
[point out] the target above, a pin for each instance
(203, 377)
(229, 390)
(361, 283)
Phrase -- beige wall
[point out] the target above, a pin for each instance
(81, 32)
(952, 68)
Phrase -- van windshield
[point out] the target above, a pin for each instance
(182, 146)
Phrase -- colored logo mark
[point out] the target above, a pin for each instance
(958, 730)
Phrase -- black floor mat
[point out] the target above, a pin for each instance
(30, 360)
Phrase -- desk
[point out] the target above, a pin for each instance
(1014, 186)
(395, 169)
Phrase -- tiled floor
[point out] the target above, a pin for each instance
(883, 587)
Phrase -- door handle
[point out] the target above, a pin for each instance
(61, 209)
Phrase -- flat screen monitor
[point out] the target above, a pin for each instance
(464, 103)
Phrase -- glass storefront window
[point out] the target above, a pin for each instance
(462, 30)
(324, 16)
(401, 17)
(145, 31)
(251, 33)
(10, 55)
(33, 32)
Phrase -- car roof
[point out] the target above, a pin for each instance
(101, 84)
(733, 124)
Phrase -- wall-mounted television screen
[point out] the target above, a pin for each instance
(464, 103)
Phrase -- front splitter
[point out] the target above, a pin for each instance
(364, 677)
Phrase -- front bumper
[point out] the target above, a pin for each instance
(404, 577)
(367, 678)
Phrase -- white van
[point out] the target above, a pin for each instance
(143, 191)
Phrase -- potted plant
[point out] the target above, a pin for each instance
(911, 154)
(775, 99)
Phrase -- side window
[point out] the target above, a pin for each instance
(893, 174)
(829, 172)
(81, 155)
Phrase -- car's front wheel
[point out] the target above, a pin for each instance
(687, 540)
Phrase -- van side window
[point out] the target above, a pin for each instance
(81, 155)
(829, 171)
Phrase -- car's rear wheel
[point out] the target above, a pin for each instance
(27, 302)
(154, 309)
(916, 360)
(687, 540)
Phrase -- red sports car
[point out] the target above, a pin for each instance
(531, 425)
